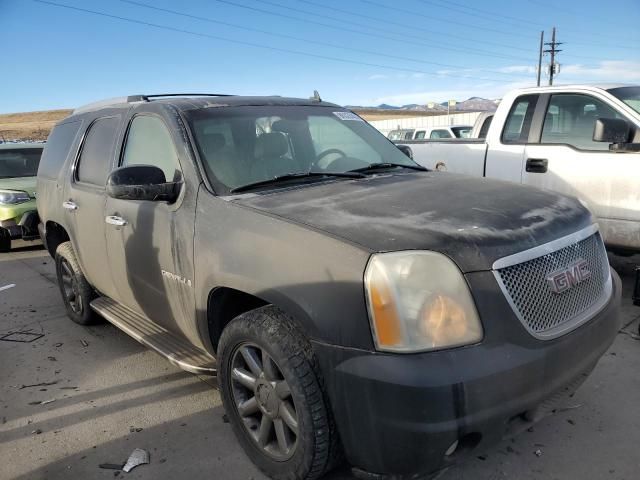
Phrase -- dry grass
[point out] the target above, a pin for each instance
(29, 125)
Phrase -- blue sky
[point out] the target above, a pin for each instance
(357, 52)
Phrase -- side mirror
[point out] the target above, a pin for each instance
(611, 130)
(406, 150)
(141, 182)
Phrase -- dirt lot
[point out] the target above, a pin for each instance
(103, 395)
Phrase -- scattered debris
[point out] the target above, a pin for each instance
(4, 420)
(111, 466)
(571, 422)
(21, 337)
(41, 384)
(538, 453)
(42, 402)
(137, 457)
(53, 359)
(36, 432)
(7, 287)
(162, 460)
(225, 418)
(84, 343)
(530, 429)
(68, 388)
(482, 457)
(631, 334)
(58, 345)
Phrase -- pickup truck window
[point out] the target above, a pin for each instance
(461, 132)
(149, 143)
(440, 134)
(629, 95)
(420, 135)
(95, 159)
(571, 118)
(242, 145)
(516, 129)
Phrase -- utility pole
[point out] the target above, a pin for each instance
(553, 51)
(540, 56)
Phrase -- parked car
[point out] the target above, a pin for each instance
(577, 140)
(455, 131)
(350, 301)
(18, 216)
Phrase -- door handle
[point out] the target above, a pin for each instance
(117, 221)
(537, 165)
(69, 205)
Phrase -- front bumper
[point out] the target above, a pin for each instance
(24, 225)
(399, 414)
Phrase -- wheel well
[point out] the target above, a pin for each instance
(224, 305)
(56, 234)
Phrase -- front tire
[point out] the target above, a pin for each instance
(272, 392)
(5, 241)
(76, 291)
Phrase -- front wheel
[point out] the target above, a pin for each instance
(272, 392)
(76, 291)
(5, 241)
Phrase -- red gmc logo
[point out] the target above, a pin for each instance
(568, 277)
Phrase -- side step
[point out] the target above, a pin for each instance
(175, 349)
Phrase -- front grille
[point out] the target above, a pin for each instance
(547, 314)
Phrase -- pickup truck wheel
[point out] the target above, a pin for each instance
(76, 292)
(272, 391)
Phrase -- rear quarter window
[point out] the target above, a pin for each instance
(96, 157)
(56, 150)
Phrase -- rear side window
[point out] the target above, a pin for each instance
(518, 124)
(149, 143)
(440, 134)
(95, 160)
(57, 148)
(420, 135)
(484, 129)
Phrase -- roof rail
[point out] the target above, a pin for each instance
(139, 98)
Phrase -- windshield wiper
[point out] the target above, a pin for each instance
(294, 176)
(383, 165)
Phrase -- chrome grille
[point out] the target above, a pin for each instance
(547, 314)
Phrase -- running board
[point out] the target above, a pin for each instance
(175, 349)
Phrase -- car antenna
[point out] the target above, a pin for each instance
(316, 96)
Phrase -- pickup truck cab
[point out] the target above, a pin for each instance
(454, 131)
(544, 137)
(349, 301)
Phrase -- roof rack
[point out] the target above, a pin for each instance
(140, 98)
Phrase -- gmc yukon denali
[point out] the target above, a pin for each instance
(354, 305)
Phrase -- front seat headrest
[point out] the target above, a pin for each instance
(273, 144)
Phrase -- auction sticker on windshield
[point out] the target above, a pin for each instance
(348, 116)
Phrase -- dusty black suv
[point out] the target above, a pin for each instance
(352, 303)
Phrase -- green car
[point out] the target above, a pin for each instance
(18, 170)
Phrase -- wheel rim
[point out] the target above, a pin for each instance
(70, 287)
(263, 401)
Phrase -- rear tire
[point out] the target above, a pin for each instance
(76, 291)
(269, 372)
(5, 241)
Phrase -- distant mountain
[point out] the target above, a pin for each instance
(472, 104)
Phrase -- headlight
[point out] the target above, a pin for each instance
(11, 197)
(419, 301)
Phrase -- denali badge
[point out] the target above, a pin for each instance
(568, 277)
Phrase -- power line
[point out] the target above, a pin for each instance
(447, 20)
(376, 35)
(386, 21)
(256, 45)
(476, 11)
(300, 39)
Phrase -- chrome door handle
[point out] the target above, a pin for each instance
(69, 206)
(117, 221)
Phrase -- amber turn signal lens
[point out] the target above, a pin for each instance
(385, 318)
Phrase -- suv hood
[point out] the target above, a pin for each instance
(473, 221)
(26, 184)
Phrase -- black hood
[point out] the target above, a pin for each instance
(474, 221)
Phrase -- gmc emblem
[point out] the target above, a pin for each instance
(568, 277)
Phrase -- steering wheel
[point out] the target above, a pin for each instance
(329, 151)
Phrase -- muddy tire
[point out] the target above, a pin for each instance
(5, 241)
(76, 291)
(273, 394)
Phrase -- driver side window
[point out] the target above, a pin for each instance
(149, 143)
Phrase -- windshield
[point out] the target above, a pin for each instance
(243, 145)
(461, 132)
(19, 162)
(629, 95)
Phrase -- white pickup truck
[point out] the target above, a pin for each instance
(582, 140)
